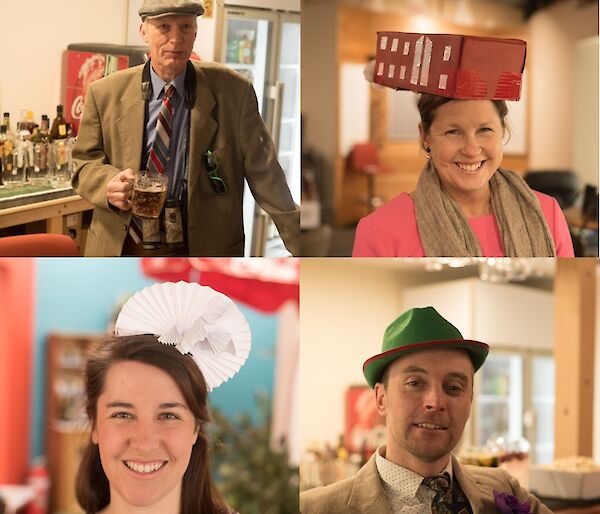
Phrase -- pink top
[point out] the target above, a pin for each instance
(391, 231)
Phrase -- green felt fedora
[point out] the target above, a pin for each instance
(416, 330)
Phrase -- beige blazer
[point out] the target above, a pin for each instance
(225, 120)
(364, 493)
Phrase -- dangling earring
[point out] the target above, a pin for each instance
(428, 150)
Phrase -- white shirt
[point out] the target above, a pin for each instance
(403, 488)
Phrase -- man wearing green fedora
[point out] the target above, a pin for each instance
(423, 383)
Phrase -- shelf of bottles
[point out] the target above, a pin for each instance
(66, 426)
(323, 464)
(66, 393)
(35, 157)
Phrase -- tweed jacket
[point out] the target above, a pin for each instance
(225, 120)
(363, 493)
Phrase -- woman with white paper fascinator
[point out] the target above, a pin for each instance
(146, 400)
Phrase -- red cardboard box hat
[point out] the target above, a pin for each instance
(455, 66)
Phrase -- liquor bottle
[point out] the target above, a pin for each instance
(24, 147)
(45, 128)
(71, 140)
(30, 123)
(60, 150)
(39, 140)
(20, 159)
(2, 137)
(6, 121)
(45, 134)
(59, 125)
(6, 153)
(22, 123)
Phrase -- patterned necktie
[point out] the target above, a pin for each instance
(446, 500)
(159, 154)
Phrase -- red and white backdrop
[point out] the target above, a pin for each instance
(267, 285)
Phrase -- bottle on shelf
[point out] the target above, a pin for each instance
(2, 137)
(71, 140)
(20, 159)
(7, 141)
(6, 121)
(247, 48)
(59, 125)
(24, 144)
(45, 136)
(30, 124)
(60, 149)
(22, 126)
(233, 48)
(40, 173)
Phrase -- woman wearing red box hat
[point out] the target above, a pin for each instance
(465, 204)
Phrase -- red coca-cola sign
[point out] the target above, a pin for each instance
(83, 68)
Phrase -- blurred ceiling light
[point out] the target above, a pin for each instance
(423, 24)
(497, 270)
(463, 15)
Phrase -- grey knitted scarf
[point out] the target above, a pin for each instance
(445, 231)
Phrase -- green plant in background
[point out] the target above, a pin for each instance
(254, 477)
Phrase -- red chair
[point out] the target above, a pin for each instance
(38, 245)
(364, 159)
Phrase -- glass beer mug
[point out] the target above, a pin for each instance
(149, 193)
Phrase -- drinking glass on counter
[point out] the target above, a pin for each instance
(60, 153)
(512, 456)
(515, 458)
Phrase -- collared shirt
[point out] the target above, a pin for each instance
(176, 168)
(403, 488)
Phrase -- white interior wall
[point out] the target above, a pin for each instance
(510, 315)
(35, 34)
(453, 300)
(554, 32)
(344, 310)
(32, 63)
(205, 40)
(503, 315)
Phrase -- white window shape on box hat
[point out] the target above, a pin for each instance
(195, 319)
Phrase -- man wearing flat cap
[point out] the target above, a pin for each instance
(423, 382)
(196, 124)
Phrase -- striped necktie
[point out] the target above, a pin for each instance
(446, 500)
(157, 159)
(159, 154)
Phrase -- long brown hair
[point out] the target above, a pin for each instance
(198, 493)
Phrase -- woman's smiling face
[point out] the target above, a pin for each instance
(465, 138)
(145, 432)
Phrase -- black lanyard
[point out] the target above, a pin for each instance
(190, 100)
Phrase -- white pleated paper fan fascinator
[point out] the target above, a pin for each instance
(195, 319)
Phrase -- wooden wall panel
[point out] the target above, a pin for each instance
(575, 307)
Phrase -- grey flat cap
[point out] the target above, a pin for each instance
(157, 8)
